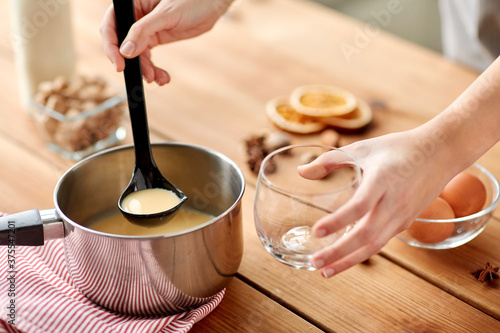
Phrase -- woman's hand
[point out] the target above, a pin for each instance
(401, 177)
(404, 172)
(159, 22)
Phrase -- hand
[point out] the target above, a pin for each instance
(401, 177)
(159, 22)
(404, 172)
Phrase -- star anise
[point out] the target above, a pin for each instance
(256, 152)
(488, 273)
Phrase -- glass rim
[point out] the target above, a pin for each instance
(109, 103)
(262, 177)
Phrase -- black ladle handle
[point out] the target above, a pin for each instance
(125, 18)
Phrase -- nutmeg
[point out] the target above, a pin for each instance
(330, 137)
(307, 158)
(276, 140)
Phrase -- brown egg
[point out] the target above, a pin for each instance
(465, 193)
(433, 232)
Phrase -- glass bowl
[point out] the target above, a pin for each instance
(75, 127)
(464, 228)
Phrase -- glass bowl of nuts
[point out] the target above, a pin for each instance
(79, 117)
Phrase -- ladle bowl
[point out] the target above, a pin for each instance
(138, 183)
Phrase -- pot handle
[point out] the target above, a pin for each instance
(31, 227)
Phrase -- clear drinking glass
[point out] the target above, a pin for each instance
(287, 205)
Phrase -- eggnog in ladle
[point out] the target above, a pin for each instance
(150, 201)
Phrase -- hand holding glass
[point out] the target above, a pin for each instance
(287, 205)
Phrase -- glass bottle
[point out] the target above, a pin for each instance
(43, 43)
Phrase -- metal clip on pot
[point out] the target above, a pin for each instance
(31, 227)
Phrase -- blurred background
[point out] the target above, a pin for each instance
(418, 22)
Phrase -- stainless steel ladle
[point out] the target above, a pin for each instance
(146, 174)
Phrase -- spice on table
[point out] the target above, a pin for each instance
(256, 152)
(308, 157)
(276, 140)
(258, 147)
(330, 137)
(488, 273)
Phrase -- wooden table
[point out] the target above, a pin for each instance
(221, 82)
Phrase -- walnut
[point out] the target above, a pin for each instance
(56, 103)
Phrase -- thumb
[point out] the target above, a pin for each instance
(135, 43)
(313, 170)
(139, 35)
(324, 164)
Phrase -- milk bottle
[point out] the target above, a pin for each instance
(43, 43)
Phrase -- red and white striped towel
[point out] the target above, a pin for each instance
(45, 300)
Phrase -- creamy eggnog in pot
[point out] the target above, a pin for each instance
(115, 223)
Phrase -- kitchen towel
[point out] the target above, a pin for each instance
(37, 295)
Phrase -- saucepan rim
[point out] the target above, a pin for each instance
(113, 150)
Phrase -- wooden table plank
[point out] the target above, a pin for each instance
(27, 181)
(450, 269)
(374, 297)
(245, 310)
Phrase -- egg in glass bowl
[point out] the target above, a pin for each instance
(459, 214)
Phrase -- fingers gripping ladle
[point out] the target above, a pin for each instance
(146, 174)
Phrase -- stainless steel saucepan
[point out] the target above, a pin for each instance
(143, 275)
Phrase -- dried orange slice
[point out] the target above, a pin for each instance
(359, 118)
(322, 101)
(284, 116)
